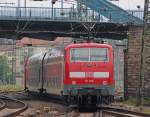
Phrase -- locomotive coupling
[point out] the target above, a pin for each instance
(104, 92)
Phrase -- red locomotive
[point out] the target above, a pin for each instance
(80, 73)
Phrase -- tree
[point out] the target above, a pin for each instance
(5, 70)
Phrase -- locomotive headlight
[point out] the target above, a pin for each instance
(105, 82)
(73, 82)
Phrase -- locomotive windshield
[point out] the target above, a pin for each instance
(89, 54)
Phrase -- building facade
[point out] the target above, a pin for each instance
(25, 48)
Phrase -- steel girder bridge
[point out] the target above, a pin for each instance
(101, 19)
(109, 10)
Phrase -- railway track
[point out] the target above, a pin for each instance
(76, 113)
(10, 107)
(103, 111)
(108, 111)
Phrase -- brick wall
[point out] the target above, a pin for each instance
(132, 60)
(146, 63)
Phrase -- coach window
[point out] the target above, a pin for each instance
(57, 52)
(48, 57)
(53, 53)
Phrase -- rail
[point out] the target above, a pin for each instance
(102, 111)
(120, 112)
(65, 14)
(8, 103)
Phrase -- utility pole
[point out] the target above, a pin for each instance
(18, 3)
(18, 8)
(147, 12)
(13, 63)
(62, 7)
(25, 5)
(62, 4)
(53, 2)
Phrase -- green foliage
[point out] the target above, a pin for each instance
(10, 88)
(131, 101)
(146, 110)
(147, 101)
(5, 70)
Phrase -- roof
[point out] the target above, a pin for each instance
(35, 42)
(89, 45)
(6, 47)
(31, 41)
(62, 40)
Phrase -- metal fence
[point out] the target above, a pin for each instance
(73, 14)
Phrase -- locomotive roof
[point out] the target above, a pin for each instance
(88, 45)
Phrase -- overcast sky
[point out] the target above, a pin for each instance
(126, 4)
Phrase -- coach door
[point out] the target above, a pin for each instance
(40, 77)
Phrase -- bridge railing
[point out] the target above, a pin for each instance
(70, 14)
(137, 13)
(50, 14)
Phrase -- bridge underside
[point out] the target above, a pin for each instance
(16, 29)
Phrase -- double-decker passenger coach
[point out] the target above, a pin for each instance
(79, 73)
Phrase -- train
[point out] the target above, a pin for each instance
(79, 73)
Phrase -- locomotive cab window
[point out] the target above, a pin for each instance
(98, 54)
(80, 54)
(89, 54)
